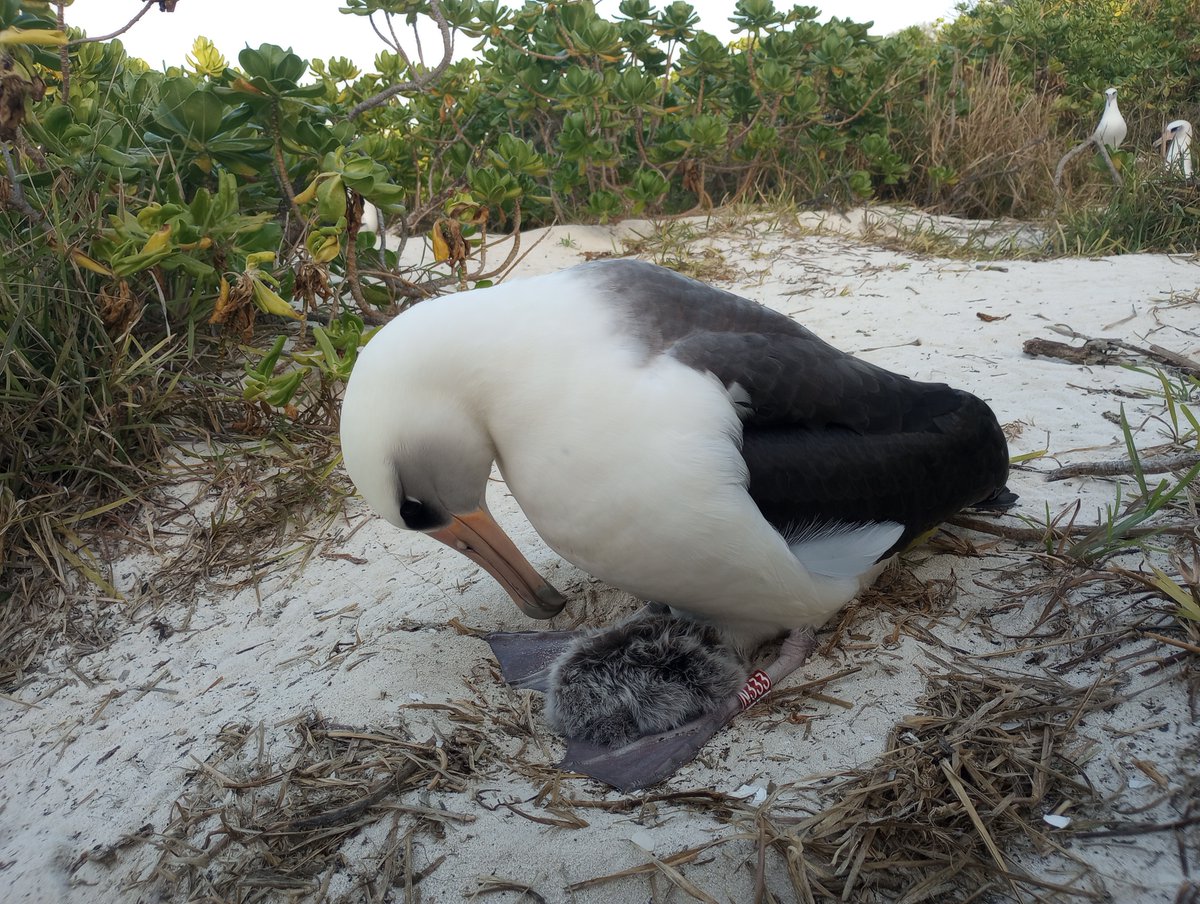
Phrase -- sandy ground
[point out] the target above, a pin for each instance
(96, 748)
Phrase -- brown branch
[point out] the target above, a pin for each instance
(353, 222)
(1075, 152)
(1103, 351)
(406, 288)
(1108, 161)
(416, 39)
(1164, 356)
(280, 167)
(116, 34)
(64, 59)
(1156, 465)
(17, 195)
(1093, 351)
(378, 100)
(394, 44)
(1140, 828)
(1171, 641)
(501, 270)
(1067, 158)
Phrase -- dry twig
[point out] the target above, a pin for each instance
(1158, 464)
(421, 81)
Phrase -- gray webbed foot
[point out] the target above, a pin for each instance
(527, 657)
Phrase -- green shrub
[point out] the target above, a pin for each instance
(1149, 211)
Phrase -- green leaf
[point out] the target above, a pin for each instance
(331, 199)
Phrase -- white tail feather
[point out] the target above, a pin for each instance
(844, 550)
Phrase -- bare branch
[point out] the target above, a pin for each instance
(435, 11)
(1156, 465)
(281, 173)
(1079, 149)
(354, 209)
(502, 270)
(395, 45)
(17, 193)
(421, 52)
(395, 37)
(64, 58)
(116, 34)
(1108, 160)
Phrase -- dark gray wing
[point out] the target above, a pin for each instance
(918, 476)
(791, 376)
(826, 437)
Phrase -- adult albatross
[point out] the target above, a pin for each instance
(678, 442)
(1111, 129)
(1176, 144)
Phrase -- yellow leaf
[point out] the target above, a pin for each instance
(158, 241)
(309, 193)
(328, 250)
(206, 59)
(41, 37)
(146, 215)
(1187, 604)
(441, 248)
(89, 264)
(270, 302)
(259, 257)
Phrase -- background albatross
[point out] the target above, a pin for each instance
(677, 441)
(1176, 144)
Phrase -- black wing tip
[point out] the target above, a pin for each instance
(1001, 500)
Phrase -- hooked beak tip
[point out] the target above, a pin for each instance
(549, 602)
(477, 536)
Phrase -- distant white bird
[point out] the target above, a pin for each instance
(372, 221)
(1112, 129)
(1176, 142)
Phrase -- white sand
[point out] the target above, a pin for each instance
(89, 756)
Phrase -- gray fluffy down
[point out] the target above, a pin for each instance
(647, 675)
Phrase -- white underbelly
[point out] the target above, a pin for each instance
(651, 498)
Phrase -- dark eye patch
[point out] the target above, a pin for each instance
(418, 515)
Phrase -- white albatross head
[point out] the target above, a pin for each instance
(421, 456)
(1176, 144)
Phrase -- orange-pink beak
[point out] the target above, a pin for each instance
(478, 537)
